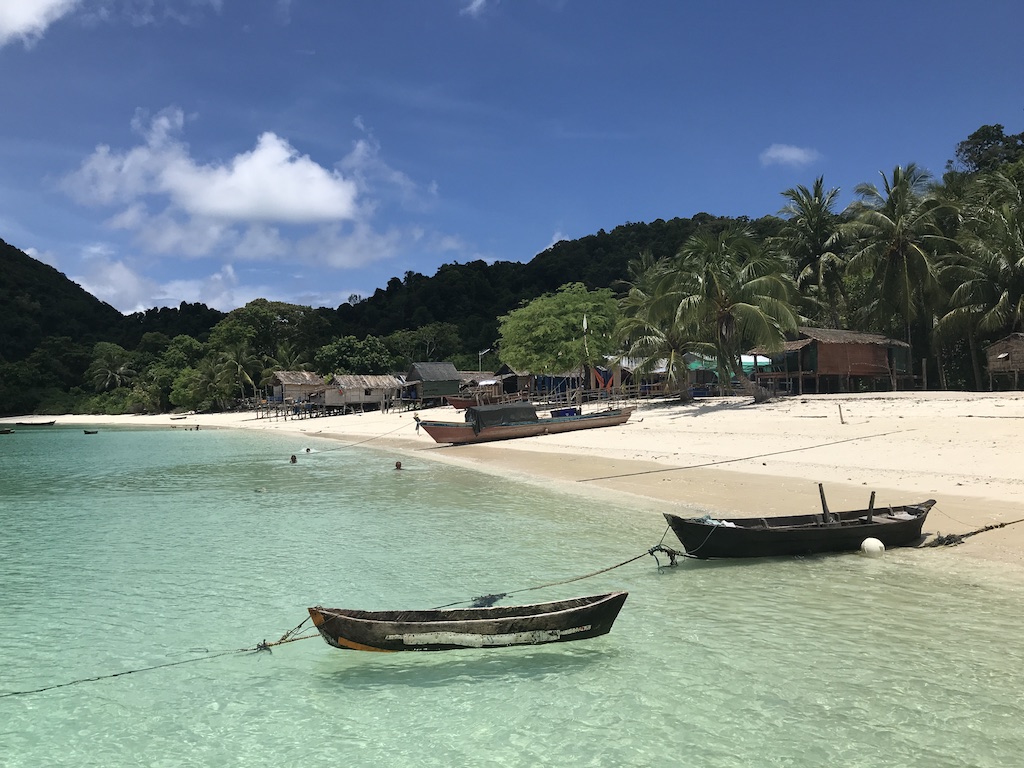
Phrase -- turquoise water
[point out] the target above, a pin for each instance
(134, 548)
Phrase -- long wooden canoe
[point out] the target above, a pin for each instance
(704, 537)
(578, 618)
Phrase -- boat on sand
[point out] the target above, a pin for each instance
(506, 421)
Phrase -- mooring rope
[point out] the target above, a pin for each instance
(953, 539)
(259, 647)
(742, 458)
(484, 601)
(360, 442)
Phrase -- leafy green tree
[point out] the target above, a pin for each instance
(738, 295)
(349, 355)
(429, 343)
(988, 149)
(560, 331)
(111, 367)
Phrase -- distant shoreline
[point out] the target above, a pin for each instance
(730, 457)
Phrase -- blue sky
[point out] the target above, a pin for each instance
(306, 150)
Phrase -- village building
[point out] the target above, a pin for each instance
(295, 387)
(430, 383)
(822, 360)
(358, 392)
(1005, 359)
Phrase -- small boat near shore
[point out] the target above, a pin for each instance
(6, 431)
(35, 423)
(578, 618)
(706, 538)
(91, 431)
(507, 421)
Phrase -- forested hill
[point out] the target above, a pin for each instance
(37, 301)
(472, 296)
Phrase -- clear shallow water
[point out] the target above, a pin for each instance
(134, 548)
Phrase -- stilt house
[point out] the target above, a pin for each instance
(1006, 358)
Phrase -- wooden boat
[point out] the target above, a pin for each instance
(91, 431)
(6, 431)
(462, 402)
(178, 418)
(704, 538)
(511, 420)
(579, 618)
(35, 423)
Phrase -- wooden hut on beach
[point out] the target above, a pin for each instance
(1005, 358)
(358, 392)
(295, 386)
(830, 360)
(430, 382)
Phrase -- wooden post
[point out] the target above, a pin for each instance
(871, 507)
(841, 421)
(824, 504)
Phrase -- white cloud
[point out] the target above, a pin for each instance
(787, 154)
(474, 8)
(272, 182)
(122, 286)
(28, 19)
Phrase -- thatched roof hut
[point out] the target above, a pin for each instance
(834, 360)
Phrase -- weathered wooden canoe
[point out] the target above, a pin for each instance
(578, 618)
(704, 538)
(35, 423)
(91, 431)
(485, 423)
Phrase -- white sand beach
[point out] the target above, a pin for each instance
(729, 457)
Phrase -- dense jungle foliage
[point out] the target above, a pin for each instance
(938, 263)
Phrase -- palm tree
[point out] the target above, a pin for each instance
(811, 239)
(286, 358)
(737, 295)
(988, 299)
(238, 364)
(111, 367)
(651, 325)
(897, 240)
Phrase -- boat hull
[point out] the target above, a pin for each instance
(459, 433)
(800, 534)
(561, 621)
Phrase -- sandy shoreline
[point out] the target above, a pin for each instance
(730, 457)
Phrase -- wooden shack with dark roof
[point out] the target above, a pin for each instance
(431, 382)
(1005, 358)
(824, 360)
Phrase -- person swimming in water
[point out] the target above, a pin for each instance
(293, 459)
(398, 465)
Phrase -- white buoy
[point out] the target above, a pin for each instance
(872, 547)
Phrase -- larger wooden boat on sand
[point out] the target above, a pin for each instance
(578, 618)
(511, 420)
(704, 537)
